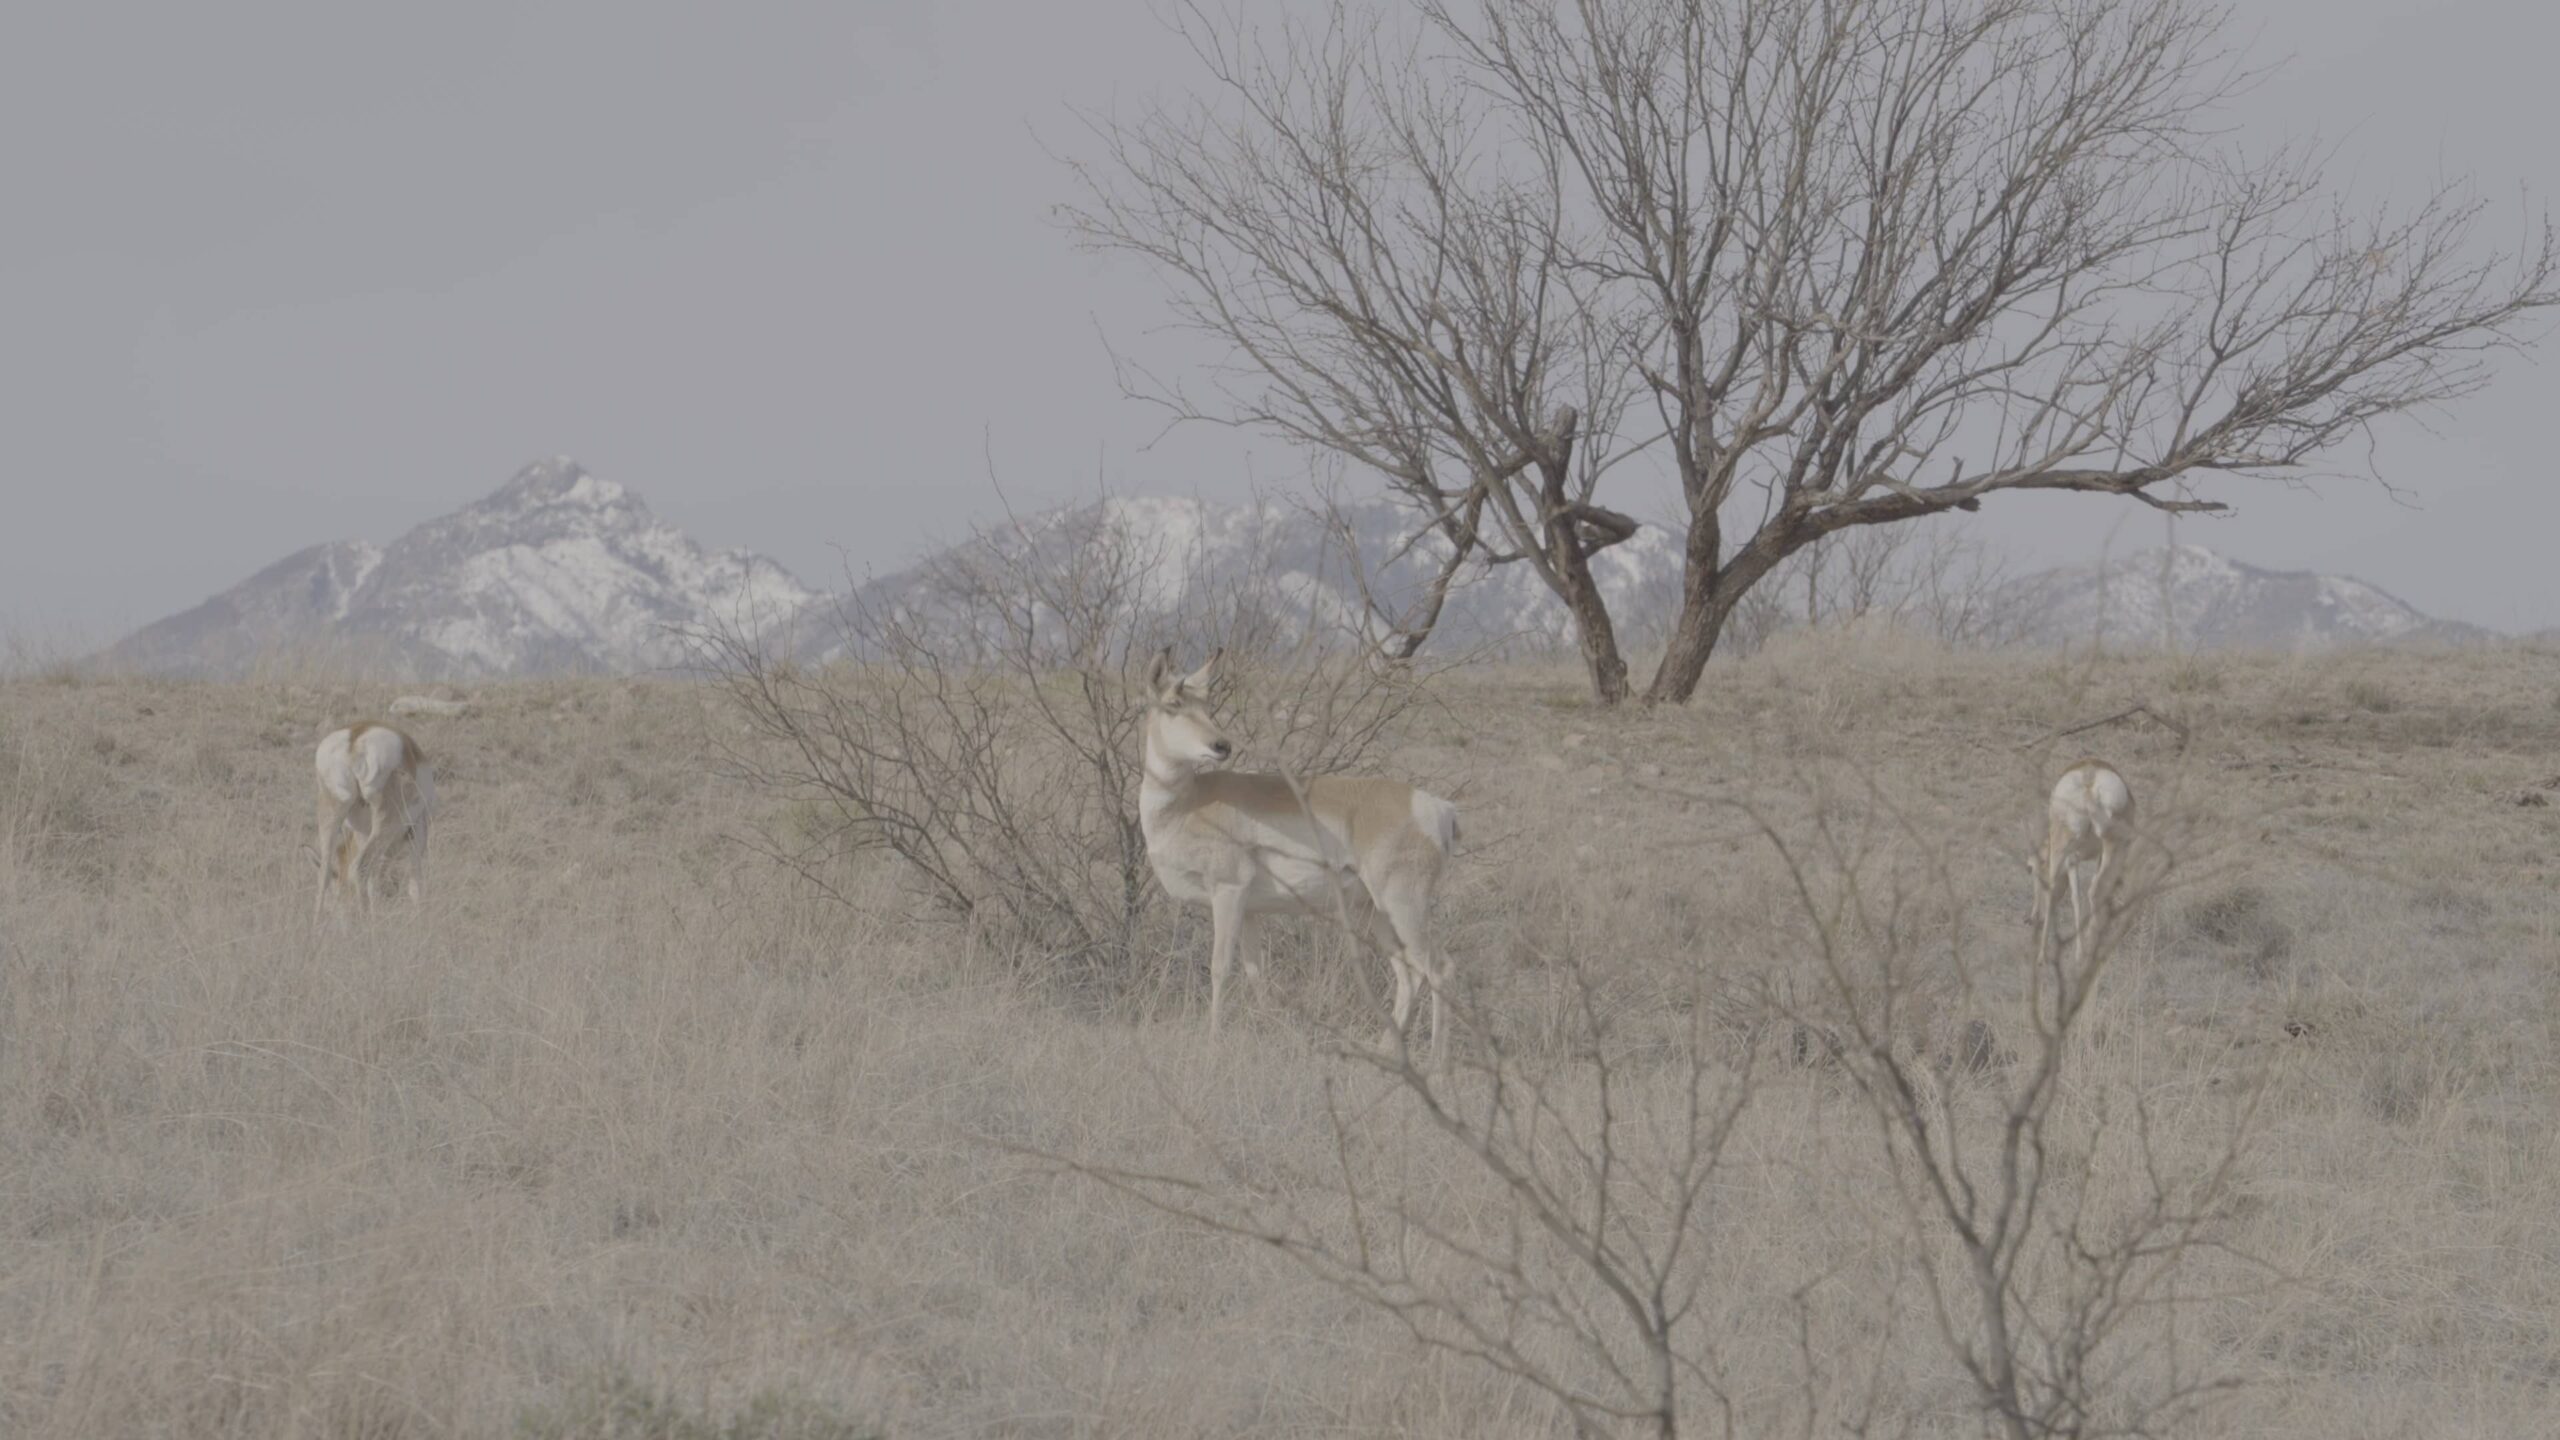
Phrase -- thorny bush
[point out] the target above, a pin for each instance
(979, 722)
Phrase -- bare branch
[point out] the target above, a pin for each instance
(1802, 252)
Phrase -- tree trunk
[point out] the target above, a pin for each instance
(1702, 617)
(1704, 604)
(1599, 638)
(1407, 633)
(1570, 558)
(1707, 597)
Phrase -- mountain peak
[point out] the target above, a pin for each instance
(562, 481)
(556, 570)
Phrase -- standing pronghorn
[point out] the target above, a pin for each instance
(369, 769)
(2089, 815)
(1252, 843)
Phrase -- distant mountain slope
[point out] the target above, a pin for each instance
(1285, 558)
(2211, 602)
(2206, 601)
(562, 572)
(556, 572)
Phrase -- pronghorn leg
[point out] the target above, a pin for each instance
(1249, 947)
(333, 814)
(1226, 920)
(1383, 938)
(1439, 1019)
(2080, 936)
(422, 794)
(415, 824)
(372, 835)
(2048, 945)
(1408, 909)
(2097, 880)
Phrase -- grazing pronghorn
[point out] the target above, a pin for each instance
(1249, 844)
(380, 774)
(2089, 815)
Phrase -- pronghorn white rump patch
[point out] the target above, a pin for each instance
(378, 776)
(1436, 818)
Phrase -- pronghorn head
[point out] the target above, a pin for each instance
(1182, 737)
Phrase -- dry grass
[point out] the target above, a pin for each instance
(625, 1135)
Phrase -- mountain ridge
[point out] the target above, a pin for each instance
(560, 571)
(556, 571)
(2204, 599)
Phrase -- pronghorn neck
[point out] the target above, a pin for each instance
(1160, 789)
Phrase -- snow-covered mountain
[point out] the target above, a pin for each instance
(1176, 557)
(559, 571)
(1282, 557)
(2191, 598)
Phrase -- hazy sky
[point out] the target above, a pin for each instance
(277, 275)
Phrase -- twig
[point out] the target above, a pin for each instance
(2184, 735)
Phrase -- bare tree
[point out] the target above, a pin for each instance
(1395, 285)
(1837, 263)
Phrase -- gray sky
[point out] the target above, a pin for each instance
(278, 275)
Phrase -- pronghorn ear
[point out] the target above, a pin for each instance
(1199, 681)
(1157, 671)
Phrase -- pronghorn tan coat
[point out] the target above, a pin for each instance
(377, 775)
(1249, 844)
(2089, 816)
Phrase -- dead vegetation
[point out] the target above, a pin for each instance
(626, 1132)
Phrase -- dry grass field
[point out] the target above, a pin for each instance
(625, 1133)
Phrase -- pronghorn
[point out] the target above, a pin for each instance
(2088, 816)
(370, 769)
(1250, 843)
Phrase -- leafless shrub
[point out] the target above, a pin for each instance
(1601, 1137)
(2045, 1218)
(2058, 1215)
(979, 725)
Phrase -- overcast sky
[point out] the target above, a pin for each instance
(279, 275)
